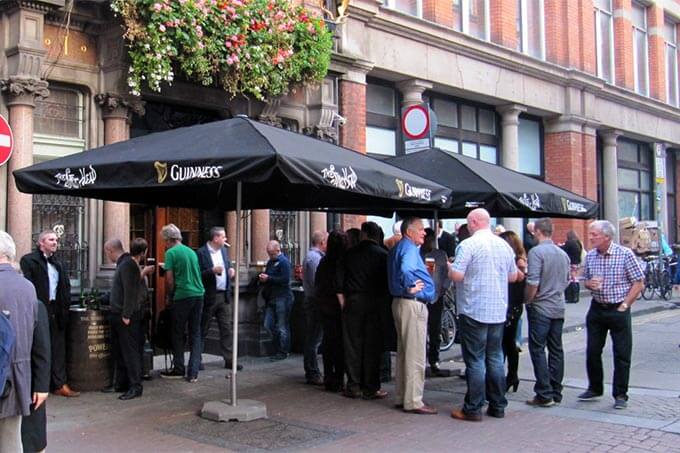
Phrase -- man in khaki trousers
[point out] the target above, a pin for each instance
(411, 288)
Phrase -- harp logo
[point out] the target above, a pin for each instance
(161, 171)
(400, 186)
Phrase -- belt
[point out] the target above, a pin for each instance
(605, 306)
(53, 301)
(417, 299)
(220, 291)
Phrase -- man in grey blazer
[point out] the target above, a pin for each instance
(18, 301)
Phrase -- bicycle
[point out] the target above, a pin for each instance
(449, 324)
(657, 277)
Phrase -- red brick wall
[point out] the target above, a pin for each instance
(353, 133)
(623, 44)
(570, 163)
(588, 61)
(503, 22)
(657, 61)
(570, 34)
(439, 11)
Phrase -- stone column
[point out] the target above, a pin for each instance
(660, 189)
(610, 177)
(510, 150)
(259, 230)
(412, 91)
(21, 93)
(116, 110)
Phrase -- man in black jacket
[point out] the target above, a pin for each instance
(366, 291)
(127, 291)
(446, 241)
(216, 273)
(53, 289)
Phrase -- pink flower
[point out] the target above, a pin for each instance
(157, 7)
(161, 27)
(228, 43)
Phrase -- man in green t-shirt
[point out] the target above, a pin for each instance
(184, 290)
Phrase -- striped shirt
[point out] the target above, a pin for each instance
(619, 270)
(486, 262)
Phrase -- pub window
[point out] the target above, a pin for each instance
(382, 124)
(59, 130)
(635, 180)
(530, 139)
(669, 32)
(531, 29)
(472, 17)
(604, 39)
(640, 55)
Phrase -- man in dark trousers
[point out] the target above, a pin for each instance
(52, 286)
(216, 273)
(125, 316)
(366, 291)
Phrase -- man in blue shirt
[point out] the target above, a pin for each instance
(314, 332)
(411, 288)
(279, 298)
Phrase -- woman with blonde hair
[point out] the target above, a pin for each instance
(515, 302)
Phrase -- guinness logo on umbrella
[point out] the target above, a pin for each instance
(420, 193)
(161, 170)
(400, 186)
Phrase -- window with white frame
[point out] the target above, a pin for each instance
(472, 17)
(604, 39)
(670, 36)
(412, 7)
(640, 56)
(531, 27)
(381, 120)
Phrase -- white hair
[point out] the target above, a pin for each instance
(7, 246)
(170, 232)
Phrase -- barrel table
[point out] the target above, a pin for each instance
(88, 349)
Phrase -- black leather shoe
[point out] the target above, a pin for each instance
(114, 389)
(228, 366)
(130, 394)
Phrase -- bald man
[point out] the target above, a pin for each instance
(483, 267)
(279, 299)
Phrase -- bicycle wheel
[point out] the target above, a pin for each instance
(648, 292)
(448, 331)
(665, 285)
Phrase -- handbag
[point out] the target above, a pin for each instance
(162, 337)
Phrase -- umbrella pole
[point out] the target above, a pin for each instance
(234, 343)
(436, 229)
(244, 410)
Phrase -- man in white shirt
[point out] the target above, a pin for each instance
(216, 272)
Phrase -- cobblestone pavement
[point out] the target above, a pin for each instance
(303, 417)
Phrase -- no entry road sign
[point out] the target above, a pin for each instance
(6, 141)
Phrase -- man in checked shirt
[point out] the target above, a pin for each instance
(614, 278)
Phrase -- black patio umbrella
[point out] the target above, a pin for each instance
(200, 166)
(233, 164)
(474, 183)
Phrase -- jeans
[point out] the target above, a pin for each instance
(313, 336)
(277, 322)
(599, 320)
(544, 331)
(483, 355)
(187, 311)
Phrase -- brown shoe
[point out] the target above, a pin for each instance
(66, 391)
(423, 410)
(460, 415)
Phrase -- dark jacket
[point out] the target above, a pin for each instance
(17, 299)
(34, 268)
(365, 270)
(208, 276)
(447, 242)
(573, 250)
(127, 290)
(327, 286)
(34, 426)
(278, 284)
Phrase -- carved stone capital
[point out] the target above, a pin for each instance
(24, 90)
(325, 133)
(269, 115)
(115, 105)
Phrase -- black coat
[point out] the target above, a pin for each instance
(208, 276)
(34, 426)
(447, 242)
(34, 268)
(573, 250)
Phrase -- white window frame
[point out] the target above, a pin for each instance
(392, 4)
(524, 24)
(598, 44)
(465, 19)
(635, 53)
(672, 47)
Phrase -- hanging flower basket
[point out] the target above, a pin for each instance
(258, 48)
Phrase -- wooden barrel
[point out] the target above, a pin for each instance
(88, 350)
